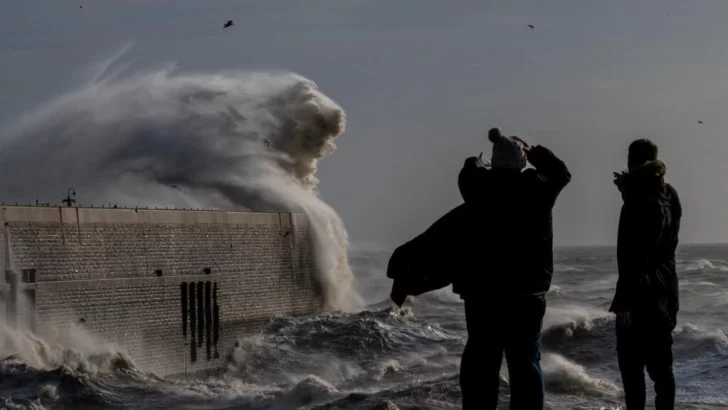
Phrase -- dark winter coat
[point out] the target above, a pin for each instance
(433, 259)
(429, 261)
(649, 226)
(511, 230)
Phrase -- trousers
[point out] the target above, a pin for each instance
(647, 344)
(513, 327)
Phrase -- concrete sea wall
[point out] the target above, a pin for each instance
(173, 288)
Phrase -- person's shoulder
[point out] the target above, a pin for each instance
(673, 195)
(474, 161)
(474, 167)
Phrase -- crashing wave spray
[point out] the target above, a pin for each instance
(161, 138)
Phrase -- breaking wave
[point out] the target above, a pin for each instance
(381, 359)
(694, 339)
(232, 140)
(564, 376)
(699, 265)
(70, 347)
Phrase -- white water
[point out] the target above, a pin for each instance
(70, 346)
(231, 140)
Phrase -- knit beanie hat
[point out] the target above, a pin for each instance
(507, 152)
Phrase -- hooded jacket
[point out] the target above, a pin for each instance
(649, 226)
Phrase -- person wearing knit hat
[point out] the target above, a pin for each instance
(509, 265)
(508, 152)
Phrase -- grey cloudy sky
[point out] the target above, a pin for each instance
(421, 82)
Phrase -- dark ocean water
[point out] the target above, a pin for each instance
(387, 359)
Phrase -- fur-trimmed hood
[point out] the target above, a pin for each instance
(647, 180)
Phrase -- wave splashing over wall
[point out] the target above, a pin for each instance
(163, 138)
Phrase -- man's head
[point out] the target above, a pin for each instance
(507, 152)
(641, 151)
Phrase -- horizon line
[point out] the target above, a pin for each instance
(383, 246)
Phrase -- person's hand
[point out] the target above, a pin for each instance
(526, 146)
(624, 319)
(479, 162)
(618, 178)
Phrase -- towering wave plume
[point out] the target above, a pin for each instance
(233, 140)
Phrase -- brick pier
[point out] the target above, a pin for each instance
(173, 288)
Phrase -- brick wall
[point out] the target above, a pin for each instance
(101, 268)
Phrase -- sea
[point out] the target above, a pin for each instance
(388, 358)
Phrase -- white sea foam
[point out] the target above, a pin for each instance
(233, 140)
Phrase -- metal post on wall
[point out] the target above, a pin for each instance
(69, 201)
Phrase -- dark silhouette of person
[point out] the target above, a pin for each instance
(510, 270)
(646, 298)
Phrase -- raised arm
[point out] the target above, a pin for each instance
(551, 170)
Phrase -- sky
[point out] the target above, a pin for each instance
(422, 81)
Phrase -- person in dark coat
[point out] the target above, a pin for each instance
(434, 259)
(429, 261)
(646, 298)
(504, 288)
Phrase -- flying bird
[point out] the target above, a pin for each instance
(531, 26)
(267, 143)
(700, 122)
(228, 24)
